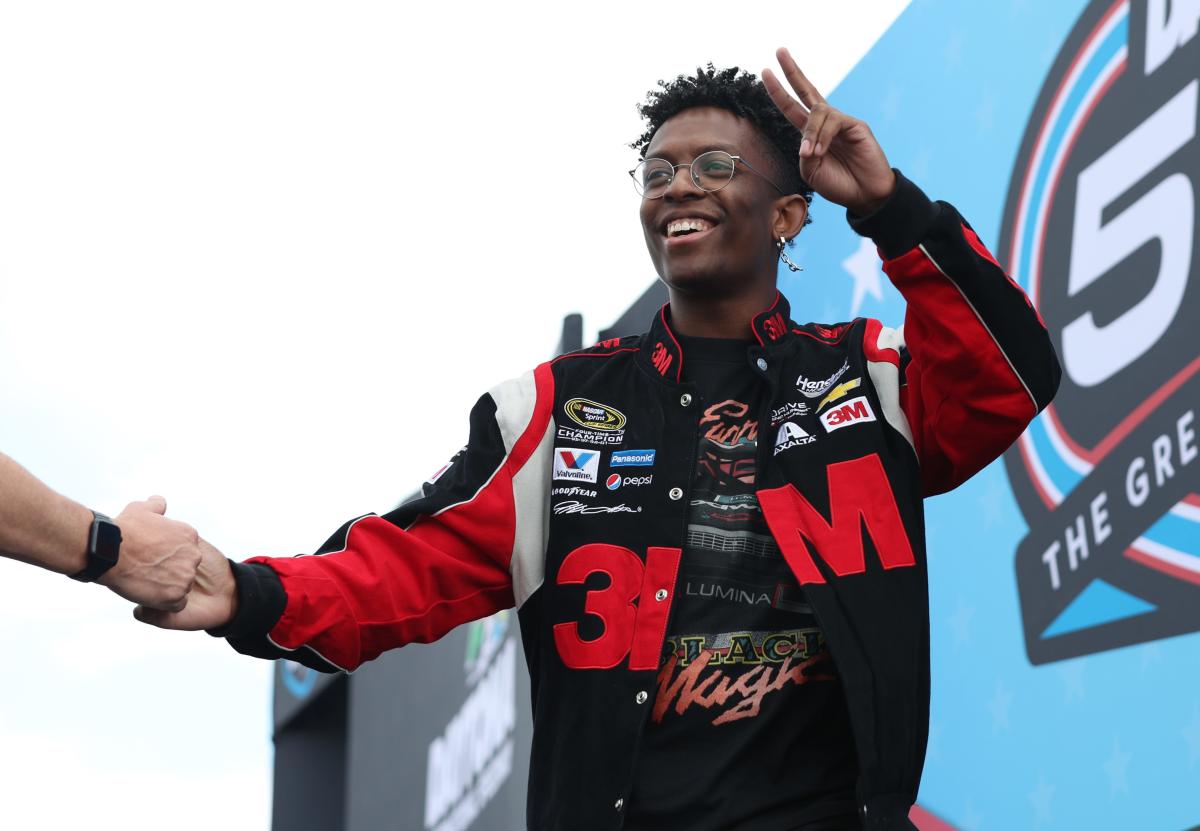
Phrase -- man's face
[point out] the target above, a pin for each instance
(737, 244)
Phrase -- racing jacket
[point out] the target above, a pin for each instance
(861, 422)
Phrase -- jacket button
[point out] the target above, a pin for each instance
(762, 364)
(661, 594)
(620, 803)
(676, 493)
(641, 697)
(685, 399)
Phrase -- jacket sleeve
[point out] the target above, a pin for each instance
(471, 543)
(974, 360)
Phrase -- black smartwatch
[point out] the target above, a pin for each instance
(104, 546)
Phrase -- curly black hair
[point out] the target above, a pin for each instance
(742, 94)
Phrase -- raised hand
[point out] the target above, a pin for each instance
(212, 602)
(839, 156)
(158, 558)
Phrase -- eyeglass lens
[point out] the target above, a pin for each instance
(709, 171)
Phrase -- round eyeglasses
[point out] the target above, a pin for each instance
(710, 171)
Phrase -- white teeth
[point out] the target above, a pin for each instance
(679, 226)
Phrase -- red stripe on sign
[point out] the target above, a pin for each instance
(1135, 417)
(1150, 561)
(925, 821)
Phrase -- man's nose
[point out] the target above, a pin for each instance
(682, 186)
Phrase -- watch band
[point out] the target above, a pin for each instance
(104, 547)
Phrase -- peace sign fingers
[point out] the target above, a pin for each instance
(839, 156)
(799, 81)
(792, 109)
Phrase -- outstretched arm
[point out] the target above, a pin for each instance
(157, 558)
(471, 544)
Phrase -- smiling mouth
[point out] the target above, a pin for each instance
(688, 229)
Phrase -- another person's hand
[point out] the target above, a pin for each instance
(839, 156)
(158, 557)
(212, 602)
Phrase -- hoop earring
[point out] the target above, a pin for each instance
(785, 258)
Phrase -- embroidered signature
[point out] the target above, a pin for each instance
(573, 507)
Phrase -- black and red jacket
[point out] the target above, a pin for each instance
(592, 571)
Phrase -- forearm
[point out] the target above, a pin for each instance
(38, 525)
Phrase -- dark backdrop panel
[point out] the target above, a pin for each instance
(470, 694)
(310, 763)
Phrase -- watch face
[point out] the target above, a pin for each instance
(106, 540)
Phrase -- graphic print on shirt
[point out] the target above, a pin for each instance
(725, 523)
(728, 675)
(743, 673)
(734, 574)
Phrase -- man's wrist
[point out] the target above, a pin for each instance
(872, 204)
(102, 551)
(901, 222)
(258, 602)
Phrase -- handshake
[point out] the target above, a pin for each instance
(178, 580)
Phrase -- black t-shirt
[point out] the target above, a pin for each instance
(749, 728)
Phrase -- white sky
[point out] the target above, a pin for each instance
(262, 257)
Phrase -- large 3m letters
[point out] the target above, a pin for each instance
(860, 502)
(629, 629)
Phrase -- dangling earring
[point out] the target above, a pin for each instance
(786, 259)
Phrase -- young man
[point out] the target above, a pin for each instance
(713, 531)
(142, 556)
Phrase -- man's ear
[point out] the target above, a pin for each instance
(790, 213)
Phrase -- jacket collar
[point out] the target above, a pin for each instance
(663, 354)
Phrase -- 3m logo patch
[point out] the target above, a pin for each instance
(854, 411)
(594, 416)
(576, 465)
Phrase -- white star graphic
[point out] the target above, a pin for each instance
(891, 103)
(972, 820)
(985, 114)
(999, 707)
(921, 164)
(1040, 798)
(1151, 654)
(954, 49)
(1071, 674)
(960, 622)
(1116, 767)
(1191, 734)
(933, 748)
(991, 502)
(863, 268)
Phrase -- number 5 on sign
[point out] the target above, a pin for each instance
(1165, 213)
(636, 630)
